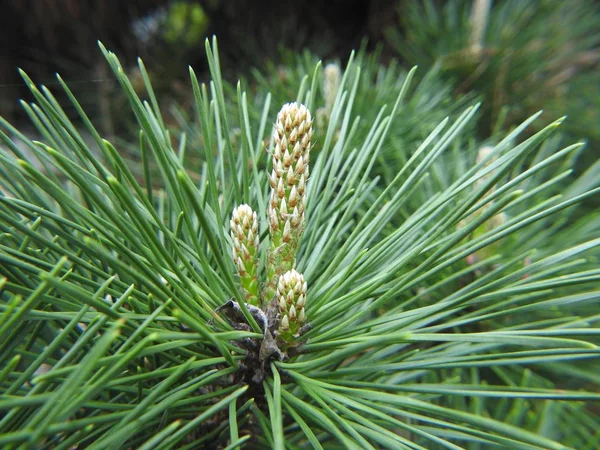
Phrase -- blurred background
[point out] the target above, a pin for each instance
(516, 56)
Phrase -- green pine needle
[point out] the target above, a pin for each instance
(452, 300)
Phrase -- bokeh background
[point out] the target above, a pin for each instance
(517, 56)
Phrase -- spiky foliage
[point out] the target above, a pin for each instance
(430, 100)
(117, 330)
(520, 55)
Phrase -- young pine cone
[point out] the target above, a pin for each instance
(244, 233)
(291, 156)
(291, 298)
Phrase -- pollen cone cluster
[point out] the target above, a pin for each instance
(286, 209)
(283, 290)
(244, 234)
(290, 298)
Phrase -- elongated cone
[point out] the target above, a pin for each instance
(288, 179)
(291, 157)
(244, 234)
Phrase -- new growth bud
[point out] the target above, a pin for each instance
(292, 136)
(291, 155)
(291, 298)
(244, 234)
(332, 76)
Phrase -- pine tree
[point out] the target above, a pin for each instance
(450, 302)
